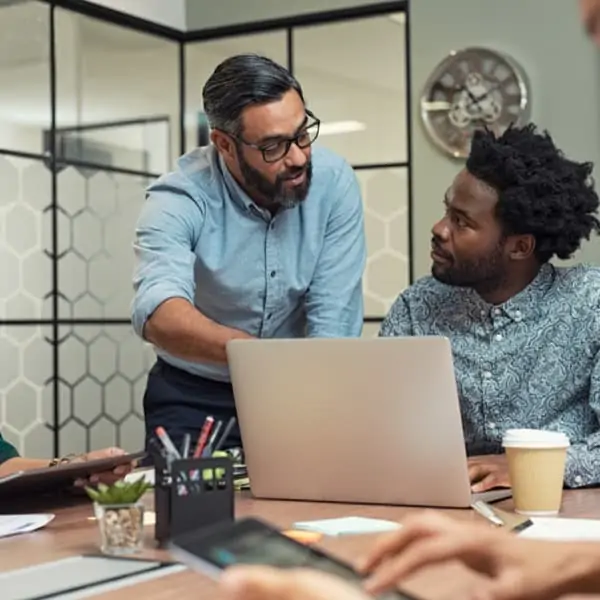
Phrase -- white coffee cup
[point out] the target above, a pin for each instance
(536, 464)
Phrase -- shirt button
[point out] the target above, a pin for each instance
(497, 312)
(492, 425)
(518, 315)
(483, 313)
(273, 273)
(487, 375)
(578, 480)
(498, 337)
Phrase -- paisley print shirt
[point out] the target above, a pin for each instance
(533, 361)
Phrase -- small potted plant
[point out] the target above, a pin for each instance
(120, 515)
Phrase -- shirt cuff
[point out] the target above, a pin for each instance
(149, 300)
(582, 466)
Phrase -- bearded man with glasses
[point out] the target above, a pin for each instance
(258, 235)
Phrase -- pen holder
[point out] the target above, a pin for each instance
(190, 494)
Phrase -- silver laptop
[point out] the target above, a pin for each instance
(354, 420)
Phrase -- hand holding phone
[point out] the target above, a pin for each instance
(253, 542)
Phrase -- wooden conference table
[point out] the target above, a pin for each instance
(75, 532)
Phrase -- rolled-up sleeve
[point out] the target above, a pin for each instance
(334, 302)
(168, 225)
(7, 450)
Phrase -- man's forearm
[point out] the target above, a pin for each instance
(12, 465)
(182, 330)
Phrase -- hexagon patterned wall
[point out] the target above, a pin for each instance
(386, 226)
(102, 380)
(101, 369)
(97, 216)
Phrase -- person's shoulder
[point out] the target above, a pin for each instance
(193, 178)
(329, 167)
(579, 281)
(425, 291)
(428, 286)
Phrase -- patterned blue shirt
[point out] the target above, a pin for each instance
(201, 238)
(531, 362)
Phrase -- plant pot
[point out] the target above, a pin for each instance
(121, 527)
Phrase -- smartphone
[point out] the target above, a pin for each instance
(251, 541)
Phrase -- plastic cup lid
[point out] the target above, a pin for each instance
(535, 437)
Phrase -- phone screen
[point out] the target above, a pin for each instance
(250, 541)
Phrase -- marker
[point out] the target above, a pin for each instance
(185, 448)
(208, 449)
(163, 436)
(225, 435)
(203, 437)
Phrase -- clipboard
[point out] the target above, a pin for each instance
(61, 476)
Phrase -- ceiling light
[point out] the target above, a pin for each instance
(336, 127)
(399, 18)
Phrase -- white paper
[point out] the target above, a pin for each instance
(558, 529)
(347, 526)
(16, 524)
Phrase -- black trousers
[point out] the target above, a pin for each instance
(180, 402)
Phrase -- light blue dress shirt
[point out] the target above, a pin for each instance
(533, 361)
(201, 238)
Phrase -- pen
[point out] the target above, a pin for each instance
(163, 436)
(185, 449)
(203, 437)
(486, 511)
(226, 433)
(208, 449)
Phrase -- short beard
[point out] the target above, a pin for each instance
(275, 194)
(483, 274)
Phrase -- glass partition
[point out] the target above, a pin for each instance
(92, 111)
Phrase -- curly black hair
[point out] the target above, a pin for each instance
(540, 192)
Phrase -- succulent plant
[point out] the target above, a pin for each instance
(121, 492)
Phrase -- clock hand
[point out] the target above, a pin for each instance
(488, 92)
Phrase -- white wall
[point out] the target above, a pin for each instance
(171, 13)
(564, 68)
(206, 14)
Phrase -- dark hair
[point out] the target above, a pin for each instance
(241, 81)
(540, 192)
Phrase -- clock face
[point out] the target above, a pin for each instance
(473, 89)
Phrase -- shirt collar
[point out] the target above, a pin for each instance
(237, 194)
(524, 304)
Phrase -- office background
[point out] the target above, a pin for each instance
(91, 111)
(94, 104)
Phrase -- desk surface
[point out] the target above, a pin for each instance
(75, 532)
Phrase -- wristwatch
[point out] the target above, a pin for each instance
(62, 461)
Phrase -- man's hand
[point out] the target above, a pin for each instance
(488, 471)
(518, 569)
(267, 583)
(108, 477)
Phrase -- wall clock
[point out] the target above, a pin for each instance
(471, 89)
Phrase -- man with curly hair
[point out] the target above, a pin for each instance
(525, 334)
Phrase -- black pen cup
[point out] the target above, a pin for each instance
(191, 493)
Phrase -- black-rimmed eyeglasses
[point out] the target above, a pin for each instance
(278, 149)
